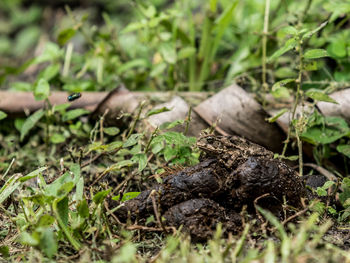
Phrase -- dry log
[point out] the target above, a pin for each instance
(240, 114)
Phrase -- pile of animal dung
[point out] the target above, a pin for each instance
(234, 173)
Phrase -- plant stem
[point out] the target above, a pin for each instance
(265, 86)
(132, 128)
(188, 120)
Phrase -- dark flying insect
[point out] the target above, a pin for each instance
(74, 96)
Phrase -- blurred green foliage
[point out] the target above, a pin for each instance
(165, 45)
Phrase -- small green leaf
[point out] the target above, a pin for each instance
(33, 174)
(158, 69)
(344, 149)
(279, 90)
(73, 114)
(50, 72)
(83, 209)
(112, 131)
(133, 139)
(42, 89)
(310, 33)
(27, 239)
(121, 164)
(65, 35)
(62, 210)
(168, 52)
(141, 159)
(277, 115)
(316, 53)
(126, 196)
(157, 111)
(48, 243)
(57, 138)
(30, 122)
(328, 184)
(170, 125)
(3, 115)
(4, 251)
(289, 30)
(289, 45)
(330, 130)
(46, 221)
(100, 196)
(337, 49)
(319, 96)
(186, 52)
(321, 192)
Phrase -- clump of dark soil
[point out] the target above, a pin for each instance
(199, 197)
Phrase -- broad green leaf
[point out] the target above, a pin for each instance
(62, 210)
(30, 122)
(57, 138)
(61, 108)
(331, 130)
(320, 96)
(79, 189)
(32, 174)
(27, 239)
(321, 192)
(136, 63)
(42, 89)
(186, 52)
(3, 115)
(170, 125)
(289, 30)
(169, 153)
(4, 251)
(156, 111)
(337, 48)
(133, 27)
(132, 140)
(277, 115)
(21, 86)
(112, 131)
(73, 114)
(100, 196)
(289, 45)
(50, 72)
(310, 33)
(83, 209)
(65, 35)
(53, 188)
(10, 185)
(316, 53)
(158, 69)
(141, 159)
(279, 90)
(51, 52)
(65, 189)
(48, 242)
(62, 220)
(126, 196)
(157, 147)
(45, 221)
(121, 164)
(328, 184)
(344, 149)
(25, 39)
(168, 52)
(311, 65)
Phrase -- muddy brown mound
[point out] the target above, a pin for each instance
(259, 176)
(199, 218)
(199, 197)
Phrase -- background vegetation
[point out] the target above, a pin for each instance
(294, 50)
